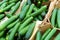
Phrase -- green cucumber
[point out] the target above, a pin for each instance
(30, 9)
(4, 25)
(53, 17)
(30, 30)
(7, 8)
(38, 35)
(38, 12)
(11, 36)
(12, 1)
(52, 32)
(1, 16)
(57, 37)
(24, 5)
(58, 18)
(23, 12)
(12, 24)
(13, 9)
(3, 5)
(24, 30)
(25, 23)
(45, 34)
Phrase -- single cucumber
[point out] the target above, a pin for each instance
(11, 36)
(13, 9)
(1, 16)
(24, 30)
(12, 24)
(4, 25)
(1, 33)
(3, 5)
(38, 12)
(53, 17)
(30, 30)
(58, 18)
(25, 23)
(30, 9)
(23, 12)
(38, 35)
(50, 34)
(7, 8)
(45, 34)
(57, 37)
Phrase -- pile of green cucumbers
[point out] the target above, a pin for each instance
(20, 26)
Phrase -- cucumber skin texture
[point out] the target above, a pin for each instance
(38, 12)
(7, 8)
(1, 16)
(11, 36)
(50, 34)
(12, 24)
(3, 26)
(13, 9)
(53, 17)
(24, 30)
(58, 18)
(45, 34)
(25, 23)
(30, 9)
(3, 5)
(38, 35)
(23, 12)
(57, 37)
(30, 30)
